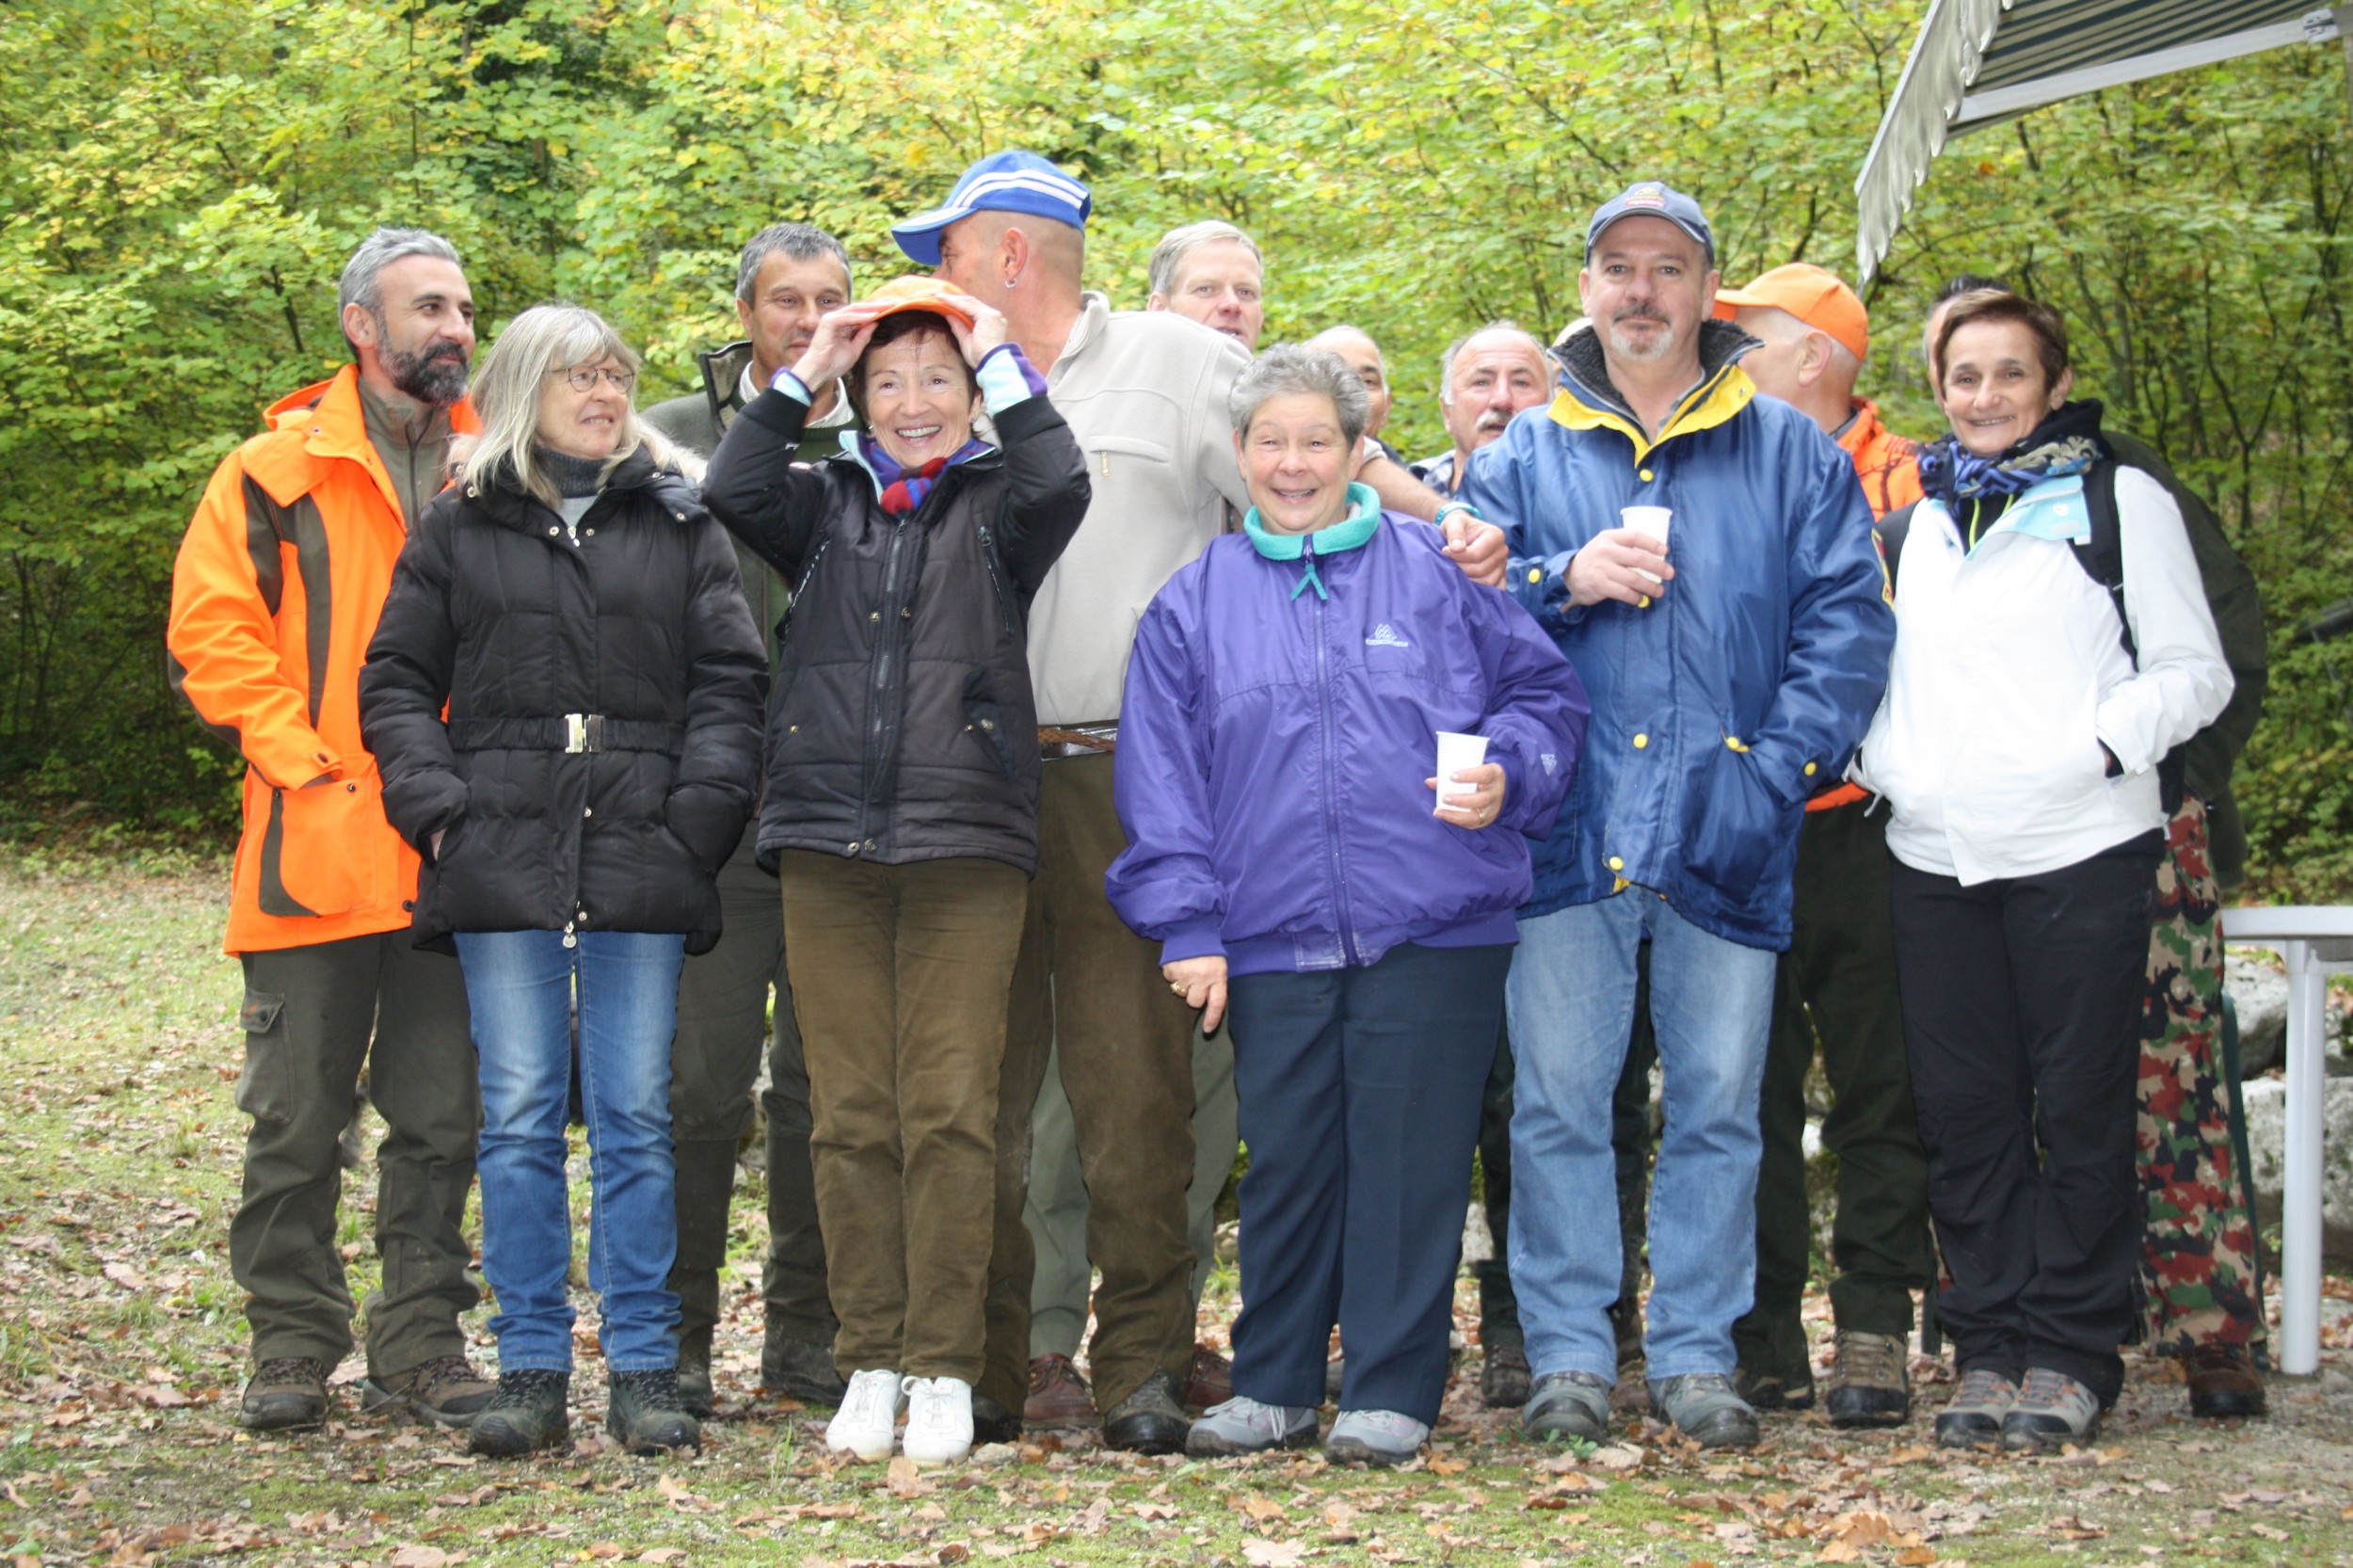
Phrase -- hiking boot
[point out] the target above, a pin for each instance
(527, 1413)
(1243, 1426)
(802, 1369)
(646, 1416)
(1377, 1438)
(1774, 1391)
(1568, 1404)
(1870, 1384)
(1703, 1407)
(695, 1392)
(992, 1422)
(869, 1417)
(1974, 1414)
(2053, 1410)
(446, 1390)
(2223, 1381)
(940, 1419)
(287, 1393)
(1210, 1381)
(1503, 1378)
(1148, 1421)
(1059, 1396)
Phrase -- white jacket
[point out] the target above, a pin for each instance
(2010, 674)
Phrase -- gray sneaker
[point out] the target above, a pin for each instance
(2053, 1408)
(1568, 1404)
(1702, 1406)
(1376, 1437)
(1243, 1426)
(1975, 1412)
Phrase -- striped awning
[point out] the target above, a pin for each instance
(1976, 62)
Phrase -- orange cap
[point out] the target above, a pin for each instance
(915, 292)
(1814, 295)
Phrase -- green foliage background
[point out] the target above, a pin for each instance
(181, 179)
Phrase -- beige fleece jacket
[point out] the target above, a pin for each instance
(1144, 393)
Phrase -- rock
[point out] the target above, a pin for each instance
(2266, 1140)
(2259, 991)
(1478, 1246)
(1229, 1241)
(991, 1455)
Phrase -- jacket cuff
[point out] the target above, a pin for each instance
(1789, 776)
(2127, 756)
(779, 411)
(1007, 377)
(1541, 583)
(295, 762)
(1201, 938)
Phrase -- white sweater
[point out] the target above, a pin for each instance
(1144, 393)
(2009, 673)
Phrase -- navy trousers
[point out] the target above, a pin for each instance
(1360, 1093)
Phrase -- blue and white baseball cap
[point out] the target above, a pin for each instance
(1002, 183)
(1652, 199)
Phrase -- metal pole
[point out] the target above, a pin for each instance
(2299, 1242)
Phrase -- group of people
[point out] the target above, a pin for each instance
(1110, 753)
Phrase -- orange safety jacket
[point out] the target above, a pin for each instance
(274, 599)
(1889, 467)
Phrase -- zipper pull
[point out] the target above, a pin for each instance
(570, 940)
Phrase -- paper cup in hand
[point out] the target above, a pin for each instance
(1458, 754)
(1648, 520)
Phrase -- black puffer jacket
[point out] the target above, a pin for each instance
(902, 726)
(617, 820)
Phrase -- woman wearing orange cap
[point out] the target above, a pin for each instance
(901, 807)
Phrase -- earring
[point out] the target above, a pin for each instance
(1012, 280)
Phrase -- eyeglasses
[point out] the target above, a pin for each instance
(582, 378)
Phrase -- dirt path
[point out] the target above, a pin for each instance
(121, 1352)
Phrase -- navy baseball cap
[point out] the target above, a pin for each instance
(1002, 183)
(1650, 198)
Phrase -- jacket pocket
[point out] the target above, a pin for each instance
(322, 848)
(265, 1084)
(984, 718)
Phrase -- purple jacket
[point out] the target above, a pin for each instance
(1273, 740)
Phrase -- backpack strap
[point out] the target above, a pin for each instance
(2102, 556)
(1891, 531)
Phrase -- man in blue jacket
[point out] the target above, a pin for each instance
(1734, 650)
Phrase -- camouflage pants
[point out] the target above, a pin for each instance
(2197, 1246)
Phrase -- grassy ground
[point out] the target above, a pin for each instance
(120, 1356)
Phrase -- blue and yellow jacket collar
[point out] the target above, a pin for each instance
(1350, 532)
(1587, 401)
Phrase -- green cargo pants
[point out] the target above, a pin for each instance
(314, 1017)
(722, 1023)
(1837, 986)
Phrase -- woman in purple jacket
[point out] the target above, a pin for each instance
(1284, 840)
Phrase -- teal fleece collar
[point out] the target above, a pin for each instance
(1350, 532)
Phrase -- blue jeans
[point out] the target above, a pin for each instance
(1571, 1005)
(520, 985)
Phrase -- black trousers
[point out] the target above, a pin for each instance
(1836, 985)
(2022, 1000)
(1360, 1094)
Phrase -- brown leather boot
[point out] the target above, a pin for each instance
(1059, 1396)
(2223, 1382)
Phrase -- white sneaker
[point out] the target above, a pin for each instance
(940, 1419)
(869, 1412)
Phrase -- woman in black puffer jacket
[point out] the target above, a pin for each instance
(583, 619)
(901, 808)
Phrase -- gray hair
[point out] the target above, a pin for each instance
(1168, 257)
(1294, 369)
(801, 240)
(1445, 361)
(506, 388)
(379, 252)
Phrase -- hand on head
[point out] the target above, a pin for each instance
(841, 337)
(986, 332)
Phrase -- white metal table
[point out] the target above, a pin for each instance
(2316, 941)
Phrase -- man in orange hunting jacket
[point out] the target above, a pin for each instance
(275, 594)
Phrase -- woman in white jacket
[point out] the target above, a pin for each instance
(2053, 645)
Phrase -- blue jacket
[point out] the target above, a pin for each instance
(1273, 744)
(1747, 684)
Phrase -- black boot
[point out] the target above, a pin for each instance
(646, 1417)
(526, 1413)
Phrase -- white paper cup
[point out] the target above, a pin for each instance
(1648, 520)
(1457, 753)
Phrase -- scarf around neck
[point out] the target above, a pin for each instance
(902, 491)
(1351, 532)
(2066, 442)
